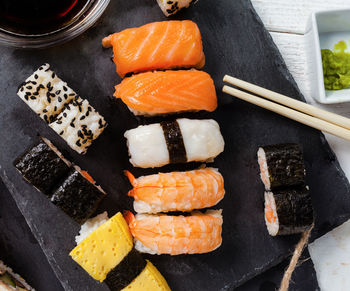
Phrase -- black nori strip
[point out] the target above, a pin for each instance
(294, 210)
(42, 167)
(174, 141)
(77, 197)
(285, 164)
(126, 271)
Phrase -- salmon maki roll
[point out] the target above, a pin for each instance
(157, 45)
(177, 191)
(157, 92)
(175, 235)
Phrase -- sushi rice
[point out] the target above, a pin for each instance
(79, 124)
(45, 93)
(90, 226)
(173, 6)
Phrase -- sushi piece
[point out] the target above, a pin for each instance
(78, 195)
(107, 254)
(175, 235)
(177, 191)
(281, 166)
(149, 279)
(179, 141)
(43, 166)
(157, 45)
(288, 211)
(166, 92)
(10, 281)
(173, 6)
(45, 93)
(79, 124)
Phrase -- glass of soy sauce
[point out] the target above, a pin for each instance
(43, 23)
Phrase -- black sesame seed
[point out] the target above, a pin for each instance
(84, 141)
(65, 96)
(65, 88)
(32, 97)
(40, 68)
(170, 2)
(53, 75)
(87, 113)
(78, 143)
(55, 108)
(36, 93)
(59, 122)
(72, 125)
(36, 76)
(64, 114)
(45, 110)
(26, 97)
(58, 92)
(82, 118)
(71, 94)
(61, 132)
(48, 85)
(29, 87)
(59, 99)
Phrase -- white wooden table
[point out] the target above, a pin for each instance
(286, 21)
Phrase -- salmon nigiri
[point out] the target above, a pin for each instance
(175, 235)
(177, 191)
(157, 45)
(157, 92)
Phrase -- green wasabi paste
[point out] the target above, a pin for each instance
(336, 67)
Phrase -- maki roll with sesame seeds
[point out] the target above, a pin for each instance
(288, 211)
(45, 93)
(281, 166)
(43, 166)
(107, 252)
(78, 195)
(79, 124)
(170, 7)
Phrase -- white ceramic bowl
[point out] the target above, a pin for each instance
(324, 30)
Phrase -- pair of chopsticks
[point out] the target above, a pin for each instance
(299, 111)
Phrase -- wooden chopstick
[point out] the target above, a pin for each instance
(290, 102)
(303, 118)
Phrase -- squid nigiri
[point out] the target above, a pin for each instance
(177, 191)
(179, 141)
(166, 92)
(157, 45)
(175, 235)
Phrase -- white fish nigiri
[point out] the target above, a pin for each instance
(179, 141)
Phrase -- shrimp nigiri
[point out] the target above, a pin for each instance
(176, 191)
(175, 235)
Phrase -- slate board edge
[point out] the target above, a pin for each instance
(12, 189)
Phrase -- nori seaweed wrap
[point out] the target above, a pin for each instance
(126, 271)
(77, 197)
(43, 166)
(288, 211)
(281, 166)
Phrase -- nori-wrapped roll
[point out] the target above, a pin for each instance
(281, 166)
(77, 196)
(288, 211)
(43, 166)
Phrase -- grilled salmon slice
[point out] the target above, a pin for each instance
(157, 45)
(159, 92)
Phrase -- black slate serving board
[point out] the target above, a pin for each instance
(235, 42)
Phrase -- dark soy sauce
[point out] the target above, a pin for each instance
(35, 17)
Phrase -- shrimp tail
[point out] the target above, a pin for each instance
(128, 216)
(131, 177)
